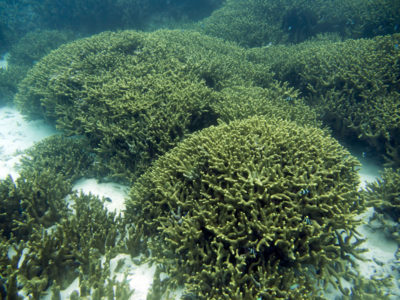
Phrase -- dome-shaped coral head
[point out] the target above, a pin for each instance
(252, 209)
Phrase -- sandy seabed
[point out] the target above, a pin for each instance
(17, 134)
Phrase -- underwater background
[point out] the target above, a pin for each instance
(209, 149)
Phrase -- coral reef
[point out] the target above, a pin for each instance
(69, 157)
(136, 95)
(9, 77)
(384, 196)
(73, 247)
(258, 23)
(24, 53)
(46, 175)
(30, 208)
(51, 238)
(253, 208)
(248, 23)
(36, 44)
(354, 86)
(238, 191)
(280, 100)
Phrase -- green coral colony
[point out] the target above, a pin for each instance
(239, 189)
(250, 209)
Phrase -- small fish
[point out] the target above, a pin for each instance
(252, 251)
(303, 192)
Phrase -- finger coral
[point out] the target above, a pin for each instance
(250, 209)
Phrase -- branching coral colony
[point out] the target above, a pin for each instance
(24, 54)
(136, 95)
(43, 242)
(384, 195)
(255, 23)
(259, 208)
(353, 84)
(256, 209)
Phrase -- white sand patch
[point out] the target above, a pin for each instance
(381, 255)
(114, 193)
(139, 277)
(74, 286)
(16, 135)
(369, 171)
(140, 280)
(381, 250)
